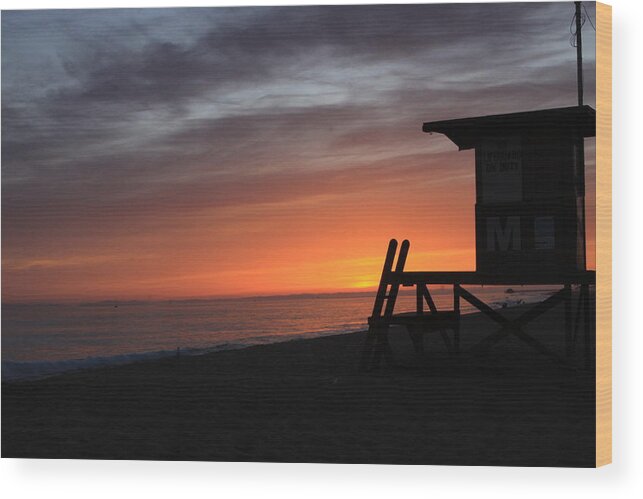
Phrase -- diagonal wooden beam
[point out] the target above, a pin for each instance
(524, 319)
(541, 308)
(537, 345)
(489, 341)
(483, 307)
(429, 299)
(514, 327)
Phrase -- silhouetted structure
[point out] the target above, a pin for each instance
(530, 196)
(530, 230)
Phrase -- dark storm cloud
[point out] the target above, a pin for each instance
(145, 124)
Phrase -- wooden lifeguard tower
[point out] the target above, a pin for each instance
(530, 230)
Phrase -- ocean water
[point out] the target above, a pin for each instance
(44, 339)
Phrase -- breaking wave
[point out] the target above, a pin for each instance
(17, 370)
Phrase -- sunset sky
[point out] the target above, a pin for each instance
(169, 153)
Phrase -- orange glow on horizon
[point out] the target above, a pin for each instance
(328, 242)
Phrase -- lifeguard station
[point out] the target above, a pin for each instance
(530, 230)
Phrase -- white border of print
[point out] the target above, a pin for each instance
(63, 479)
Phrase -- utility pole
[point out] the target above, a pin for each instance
(580, 143)
(579, 53)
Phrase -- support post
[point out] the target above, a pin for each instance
(456, 311)
(382, 347)
(569, 342)
(579, 53)
(580, 142)
(419, 300)
(587, 319)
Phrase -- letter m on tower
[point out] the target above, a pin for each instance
(503, 233)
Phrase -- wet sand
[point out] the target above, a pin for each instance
(306, 401)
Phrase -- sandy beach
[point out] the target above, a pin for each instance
(306, 401)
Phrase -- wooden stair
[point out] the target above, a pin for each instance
(376, 345)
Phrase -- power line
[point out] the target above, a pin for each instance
(589, 18)
(572, 28)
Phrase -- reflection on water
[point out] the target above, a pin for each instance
(54, 333)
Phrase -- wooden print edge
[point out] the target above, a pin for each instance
(603, 234)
